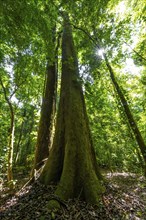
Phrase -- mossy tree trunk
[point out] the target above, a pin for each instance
(132, 122)
(48, 107)
(46, 119)
(71, 161)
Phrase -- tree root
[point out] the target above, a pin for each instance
(55, 203)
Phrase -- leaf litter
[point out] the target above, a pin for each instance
(124, 199)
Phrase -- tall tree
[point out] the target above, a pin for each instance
(129, 114)
(11, 132)
(46, 120)
(72, 159)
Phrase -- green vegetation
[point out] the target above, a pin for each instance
(66, 97)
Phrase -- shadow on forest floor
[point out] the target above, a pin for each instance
(124, 199)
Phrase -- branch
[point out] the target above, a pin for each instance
(143, 58)
(7, 99)
(16, 88)
(85, 32)
(4, 90)
(98, 44)
(58, 42)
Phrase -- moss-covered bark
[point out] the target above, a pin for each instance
(71, 162)
(45, 124)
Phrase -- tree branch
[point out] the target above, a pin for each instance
(143, 58)
(16, 88)
(4, 90)
(98, 44)
(85, 32)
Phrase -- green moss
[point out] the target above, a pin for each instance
(72, 148)
(53, 205)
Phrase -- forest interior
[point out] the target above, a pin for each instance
(72, 109)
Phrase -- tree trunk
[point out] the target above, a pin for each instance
(45, 124)
(11, 136)
(129, 115)
(72, 159)
(19, 140)
(11, 144)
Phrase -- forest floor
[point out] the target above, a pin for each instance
(124, 199)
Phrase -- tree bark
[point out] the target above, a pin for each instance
(11, 145)
(72, 159)
(129, 115)
(19, 140)
(11, 136)
(47, 112)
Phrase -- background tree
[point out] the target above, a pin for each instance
(11, 132)
(47, 115)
